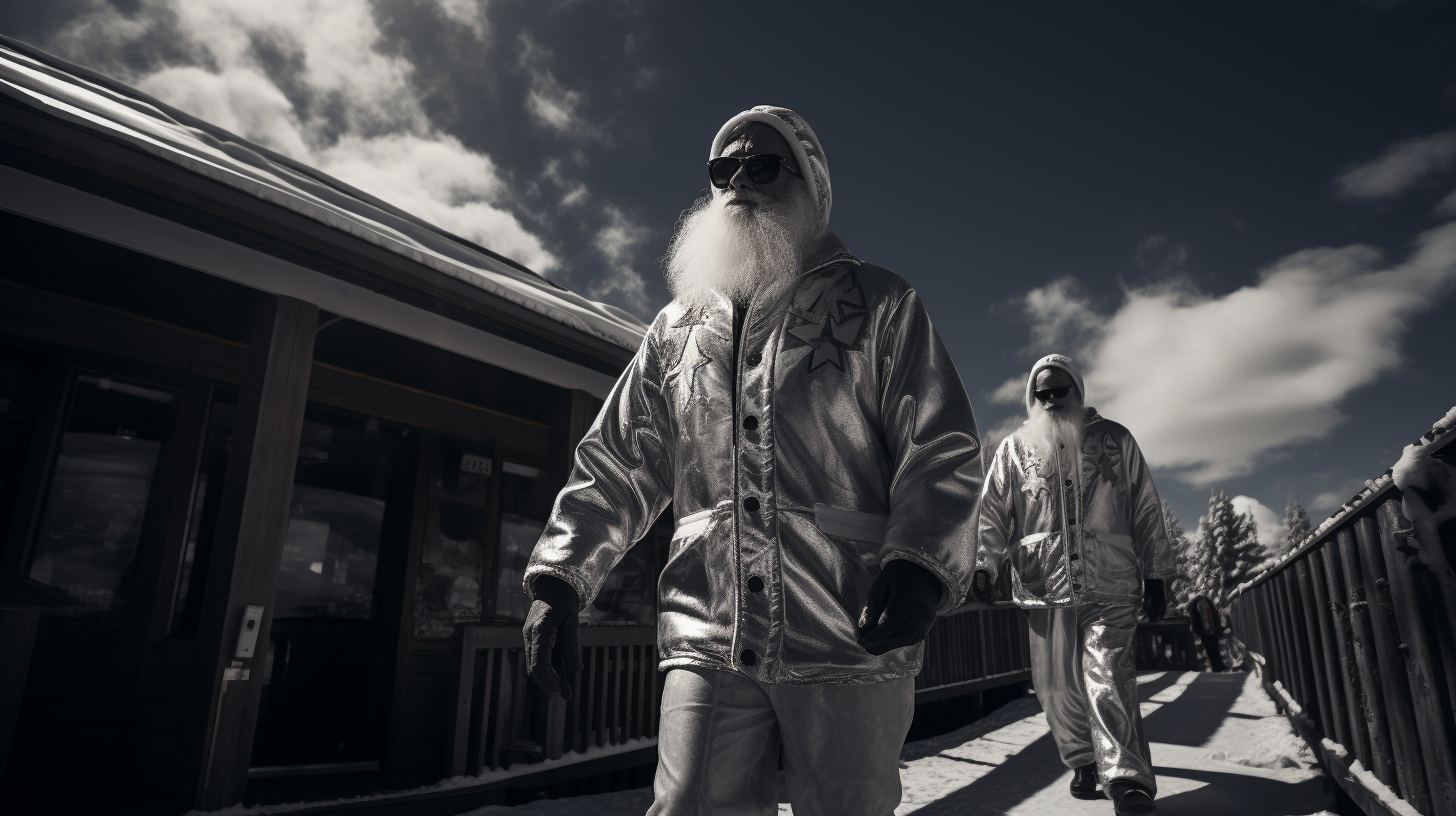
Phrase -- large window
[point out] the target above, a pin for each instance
(115, 432)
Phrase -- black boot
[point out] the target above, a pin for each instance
(1130, 799)
(1084, 782)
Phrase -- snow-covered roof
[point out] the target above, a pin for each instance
(81, 97)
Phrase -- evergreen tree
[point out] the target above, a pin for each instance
(1296, 524)
(1234, 543)
(1196, 565)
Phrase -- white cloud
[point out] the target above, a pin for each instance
(308, 78)
(468, 13)
(1401, 166)
(1011, 392)
(1210, 385)
(1269, 524)
(549, 102)
(618, 242)
(1060, 315)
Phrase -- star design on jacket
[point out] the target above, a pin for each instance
(838, 326)
(829, 340)
(1033, 483)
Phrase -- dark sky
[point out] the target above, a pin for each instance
(1110, 180)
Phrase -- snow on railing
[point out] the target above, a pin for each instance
(1373, 487)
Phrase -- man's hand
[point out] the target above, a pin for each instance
(981, 587)
(553, 640)
(1155, 602)
(900, 609)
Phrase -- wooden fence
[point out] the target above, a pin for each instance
(502, 719)
(1355, 632)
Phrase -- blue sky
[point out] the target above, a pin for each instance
(1236, 215)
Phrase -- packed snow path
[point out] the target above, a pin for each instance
(1219, 747)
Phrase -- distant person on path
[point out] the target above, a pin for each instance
(802, 416)
(1208, 626)
(1069, 501)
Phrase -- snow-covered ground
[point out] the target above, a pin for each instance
(1219, 747)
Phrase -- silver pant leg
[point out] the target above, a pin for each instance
(1109, 676)
(1056, 672)
(717, 747)
(842, 745)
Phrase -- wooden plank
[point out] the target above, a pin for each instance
(1390, 663)
(459, 729)
(1363, 644)
(1348, 674)
(1317, 608)
(1432, 725)
(252, 526)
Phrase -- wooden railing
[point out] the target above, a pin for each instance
(974, 648)
(503, 719)
(1354, 634)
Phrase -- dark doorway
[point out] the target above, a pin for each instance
(329, 659)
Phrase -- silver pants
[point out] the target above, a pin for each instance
(1082, 667)
(721, 733)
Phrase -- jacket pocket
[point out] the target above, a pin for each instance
(1031, 561)
(1112, 566)
(869, 527)
(692, 524)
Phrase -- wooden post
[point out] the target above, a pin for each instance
(1420, 663)
(1321, 661)
(1390, 662)
(252, 526)
(1332, 596)
(1298, 687)
(1362, 644)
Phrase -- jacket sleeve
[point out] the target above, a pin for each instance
(934, 451)
(621, 480)
(1149, 534)
(997, 525)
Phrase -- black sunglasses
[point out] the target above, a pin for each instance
(762, 169)
(1052, 393)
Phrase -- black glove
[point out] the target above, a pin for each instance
(553, 639)
(981, 587)
(906, 595)
(1155, 603)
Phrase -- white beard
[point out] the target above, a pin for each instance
(1047, 431)
(737, 252)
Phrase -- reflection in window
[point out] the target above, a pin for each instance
(449, 580)
(336, 520)
(448, 587)
(99, 490)
(518, 536)
(523, 517)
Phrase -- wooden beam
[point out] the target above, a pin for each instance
(252, 526)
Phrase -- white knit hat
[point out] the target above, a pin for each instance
(1054, 361)
(808, 153)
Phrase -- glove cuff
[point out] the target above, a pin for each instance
(555, 592)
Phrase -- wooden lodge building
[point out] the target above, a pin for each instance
(273, 454)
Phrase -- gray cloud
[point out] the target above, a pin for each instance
(1402, 165)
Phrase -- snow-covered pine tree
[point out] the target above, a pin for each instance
(1232, 538)
(1196, 564)
(1296, 525)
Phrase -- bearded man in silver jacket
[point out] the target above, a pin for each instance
(1069, 502)
(797, 409)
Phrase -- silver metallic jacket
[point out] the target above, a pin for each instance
(1091, 532)
(839, 437)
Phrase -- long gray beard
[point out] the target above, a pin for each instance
(1048, 432)
(739, 253)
